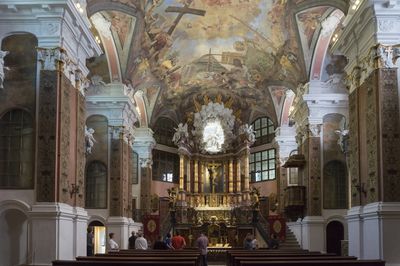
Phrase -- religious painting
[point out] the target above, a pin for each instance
(201, 45)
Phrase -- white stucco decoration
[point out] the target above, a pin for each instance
(2, 67)
(181, 134)
(329, 25)
(102, 25)
(248, 133)
(89, 139)
(213, 128)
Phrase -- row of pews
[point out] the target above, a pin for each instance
(293, 257)
(187, 257)
(235, 257)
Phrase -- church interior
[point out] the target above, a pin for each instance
(228, 117)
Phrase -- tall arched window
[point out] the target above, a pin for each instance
(335, 185)
(16, 150)
(96, 185)
(264, 130)
(164, 131)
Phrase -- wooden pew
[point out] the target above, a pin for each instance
(122, 263)
(314, 262)
(269, 253)
(237, 260)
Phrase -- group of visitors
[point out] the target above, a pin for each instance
(250, 242)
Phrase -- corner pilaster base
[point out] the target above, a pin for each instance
(374, 231)
(313, 233)
(120, 227)
(58, 232)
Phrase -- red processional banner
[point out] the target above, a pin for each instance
(277, 226)
(151, 227)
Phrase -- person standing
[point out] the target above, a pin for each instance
(168, 241)
(112, 245)
(89, 241)
(202, 244)
(247, 242)
(178, 242)
(132, 240)
(141, 242)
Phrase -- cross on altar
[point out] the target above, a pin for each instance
(182, 11)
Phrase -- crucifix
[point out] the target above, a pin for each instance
(182, 11)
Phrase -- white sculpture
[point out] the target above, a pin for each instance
(385, 55)
(181, 134)
(343, 134)
(218, 117)
(248, 132)
(2, 67)
(90, 140)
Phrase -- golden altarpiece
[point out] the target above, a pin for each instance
(214, 194)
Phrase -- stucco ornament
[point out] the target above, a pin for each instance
(2, 67)
(248, 133)
(343, 134)
(89, 139)
(213, 128)
(181, 134)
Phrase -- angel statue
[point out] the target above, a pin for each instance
(181, 134)
(255, 197)
(89, 139)
(343, 134)
(2, 67)
(248, 132)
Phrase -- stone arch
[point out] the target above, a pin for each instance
(334, 235)
(14, 232)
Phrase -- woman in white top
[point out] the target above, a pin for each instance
(111, 243)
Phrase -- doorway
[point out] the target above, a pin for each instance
(334, 235)
(99, 232)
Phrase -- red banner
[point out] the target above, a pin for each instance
(151, 227)
(277, 226)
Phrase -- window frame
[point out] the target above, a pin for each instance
(106, 184)
(264, 164)
(162, 160)
(259, 128)
(24, 115)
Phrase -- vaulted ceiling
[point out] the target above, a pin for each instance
(181, 52)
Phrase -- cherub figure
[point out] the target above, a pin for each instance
(343, 133)
(90, 140)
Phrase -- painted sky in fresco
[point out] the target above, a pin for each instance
(225, 22)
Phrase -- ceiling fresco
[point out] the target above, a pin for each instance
(207, 45)
(237, 50)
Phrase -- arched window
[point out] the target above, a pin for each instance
(164, 131)
(335, 185)
(264, 130)
(96, 185)
(21, 61)
(16, 150)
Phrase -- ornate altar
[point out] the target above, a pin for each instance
(214, 172)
